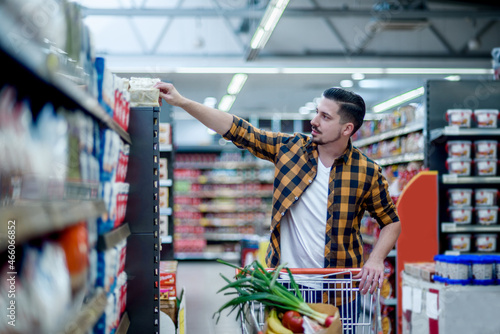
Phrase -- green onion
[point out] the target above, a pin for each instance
(255, 283)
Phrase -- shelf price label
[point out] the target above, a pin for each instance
(449, 227)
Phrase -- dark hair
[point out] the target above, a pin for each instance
(352, 106)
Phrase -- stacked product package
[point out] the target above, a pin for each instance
(168, 292)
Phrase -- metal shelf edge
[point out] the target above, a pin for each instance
(389, 134)
(454, 179)
(447, 227)
(456, 131)
(88, 315)
(114, 237)
(124, 324)
(40, 218)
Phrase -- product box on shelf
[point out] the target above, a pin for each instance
(163, 226)
(163, 197)
(165, 134)
(168, 273)
(163, 168)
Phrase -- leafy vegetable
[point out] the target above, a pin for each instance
(255, 283)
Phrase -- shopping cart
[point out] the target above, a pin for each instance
(360, 314)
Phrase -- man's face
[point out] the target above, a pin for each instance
(326, 126)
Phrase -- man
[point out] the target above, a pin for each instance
(323, 186)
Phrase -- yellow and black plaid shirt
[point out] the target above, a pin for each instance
(356, 185)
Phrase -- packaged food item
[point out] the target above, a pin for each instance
(459, 148)
(165, 137)
(143, 93)
(486, 242)
(460, 167)
(168, 273)
(458, 269)
(459, 117)
(461, 215)
(482, 269)
(486, 197)
(163, 197)
(487, 215)
(485, 149)
(163, 226)
(459, 242)
(460, 197)
(486, 167)
(486, 118)
(163, 169)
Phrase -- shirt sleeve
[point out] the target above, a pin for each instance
(262, 144)
(380, 204)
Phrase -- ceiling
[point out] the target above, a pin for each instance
(199, 44)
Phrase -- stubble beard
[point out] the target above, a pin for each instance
(319, 141)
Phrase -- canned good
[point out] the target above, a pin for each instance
(486, 167)
(486, 118)
(487, 215)
(486, 197)
(461, 215)
(486, 242)
(460, 167)
(459, 117)
(459, 148)
(460, 197)
(482, 269)
(459, 242)
(486, 149)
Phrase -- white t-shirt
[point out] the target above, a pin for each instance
(303, 228)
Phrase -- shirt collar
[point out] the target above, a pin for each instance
(344, 157)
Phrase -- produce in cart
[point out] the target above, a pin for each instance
(254, 283)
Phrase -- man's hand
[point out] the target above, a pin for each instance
(169, 94)
(371, 275)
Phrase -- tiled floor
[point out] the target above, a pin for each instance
(201, 281)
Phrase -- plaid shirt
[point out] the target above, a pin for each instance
(356, 184)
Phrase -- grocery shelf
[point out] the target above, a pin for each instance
(35, 59)
(227, 236)
(226, 256)
(88, 316)
(453, 227)
(389, 134)
(124, 324)
(36, 218)
(165, 183)
(455, 179)
(166, 148)
(165, 211)
(450, 252)
(455, 131)
(228, 208)
(114, 237)
(223, 165)
(398, 159)
(167, 239)
(226, 194)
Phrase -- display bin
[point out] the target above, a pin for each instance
(432, 308)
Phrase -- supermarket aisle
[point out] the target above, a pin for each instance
(201, 281)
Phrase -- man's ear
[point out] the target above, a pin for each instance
(348, 129)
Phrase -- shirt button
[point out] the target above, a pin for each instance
(296, 198)
(282, 214)
(310, 181)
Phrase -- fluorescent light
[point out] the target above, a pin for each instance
(271, 17)
(236, 83)
(357, 76)
(257, 38)
(210, 101)
(346, 83)
(453, 78)
(331, 70)
(304, 110)
(395, 101)
(226, 102)
(304, 70)
(438, 71)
